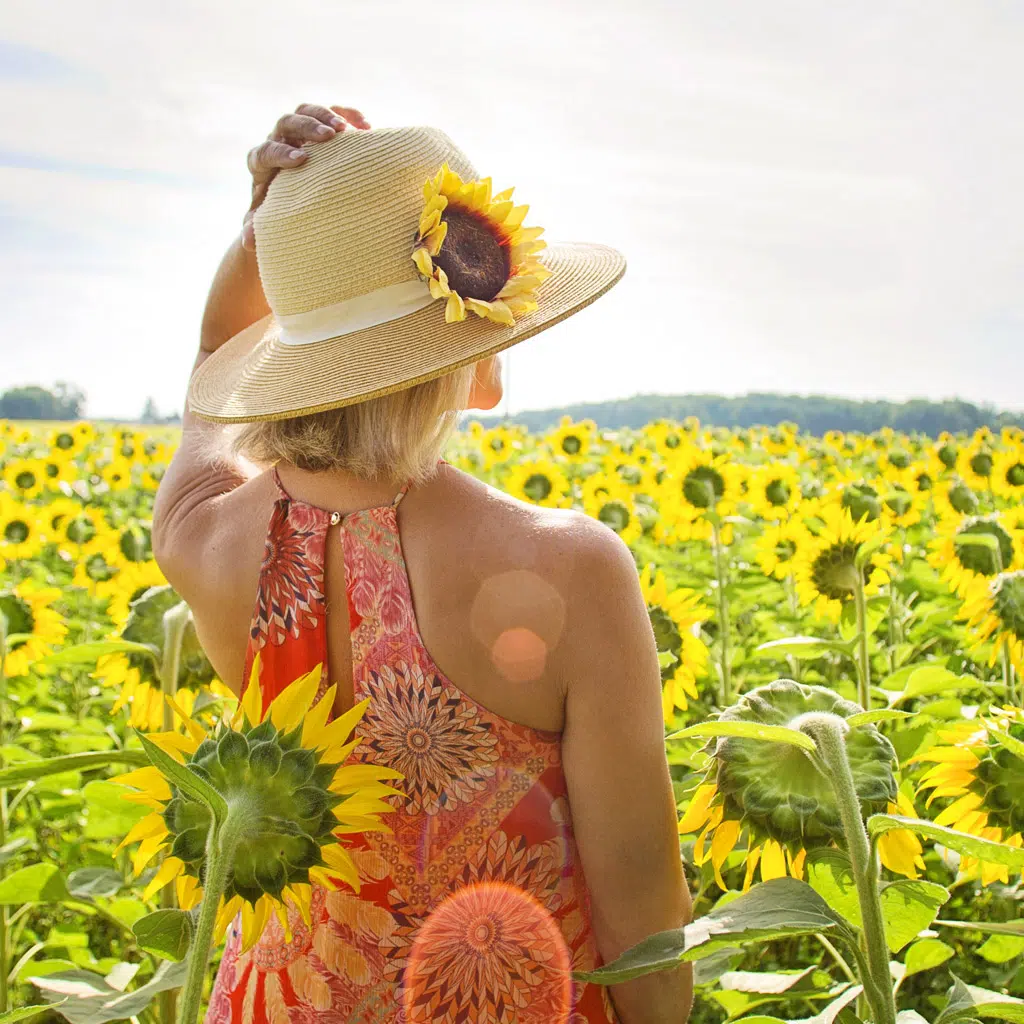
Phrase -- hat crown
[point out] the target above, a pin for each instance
(343, 223)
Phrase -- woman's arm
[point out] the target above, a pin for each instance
(184, 514)
(620, 790)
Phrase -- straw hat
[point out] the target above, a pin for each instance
(352, 316)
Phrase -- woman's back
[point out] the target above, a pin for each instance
(481, 866)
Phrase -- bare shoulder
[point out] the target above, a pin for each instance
(564, 540)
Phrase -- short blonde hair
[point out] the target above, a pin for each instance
(395, 437)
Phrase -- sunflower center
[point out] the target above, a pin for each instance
(898, 501)
(18, 614)
(135, 544)
(473, 257)
(963, 499)
(777, 492)
(537, 486)
(25, 479)
(672, 440)
(703, 486)
(80, 530)
(982, 558)
(16, 531)
(1015, 475)
(666, 636)
(64, 442)
(900, 458)
(948, 454)
(571, 444)
(785, 550)
(981, 463)
(834, 571)
(924, 482)
(862, 501)
(615, 515)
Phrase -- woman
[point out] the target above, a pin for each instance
(505, 649)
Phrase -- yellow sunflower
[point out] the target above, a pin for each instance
(571, 440)
(696, 482)
(1008, 473)
(474, 251)
(538, 481)
(25, 478)
(274, 867)
(773, 798)
(22, 529)
(773, 491)
(976, 462)
(994, 611)
(609, 500)
(675, 617)
(130, 583)
(985, 780)
(117, 474)
(34, 626)
(958, 553)
(825, 565)
(777, 545)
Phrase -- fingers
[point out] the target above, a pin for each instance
(298, 128)
(269, 156)
(353, 116)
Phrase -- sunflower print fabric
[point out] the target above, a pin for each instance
(474, 907)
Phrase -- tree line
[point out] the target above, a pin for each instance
(814, 414)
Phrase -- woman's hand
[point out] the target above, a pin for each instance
(309, 123)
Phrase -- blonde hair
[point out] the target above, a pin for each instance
(398, 436)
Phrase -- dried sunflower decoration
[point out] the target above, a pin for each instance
(474, 251)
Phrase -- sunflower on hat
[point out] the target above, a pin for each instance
(473, 250)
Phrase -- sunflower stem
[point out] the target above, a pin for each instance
(721, 574)
(830, 738)
(221, 844)
(839, 959)
(863, 655)
(175, 622)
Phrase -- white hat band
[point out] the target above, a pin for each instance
(351, 315)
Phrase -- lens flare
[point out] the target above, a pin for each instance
(491, 954)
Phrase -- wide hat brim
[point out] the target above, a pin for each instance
(255, 376)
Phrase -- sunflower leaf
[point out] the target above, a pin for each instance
(25, 1012)
(188, 782)
(167, 933)
(30, 771)
(926, 954)
(747, 730)
(771, 910)
(968, 1002)
(85, 654)
(877, 715)
(986, 927)
(962, 842)
(803, 647)
(909, 906)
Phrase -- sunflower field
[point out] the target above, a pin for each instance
(840, 625)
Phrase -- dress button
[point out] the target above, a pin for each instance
(335, 518)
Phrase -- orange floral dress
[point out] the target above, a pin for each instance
(475, 908)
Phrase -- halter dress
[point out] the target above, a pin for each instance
(474, 908)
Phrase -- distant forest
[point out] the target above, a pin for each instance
(814, 414)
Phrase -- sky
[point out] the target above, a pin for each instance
(812, 198)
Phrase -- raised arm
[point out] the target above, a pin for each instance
(184, 514)
(620, 790)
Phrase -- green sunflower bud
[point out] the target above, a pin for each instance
(775, 789)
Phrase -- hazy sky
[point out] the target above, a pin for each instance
(811, 196)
